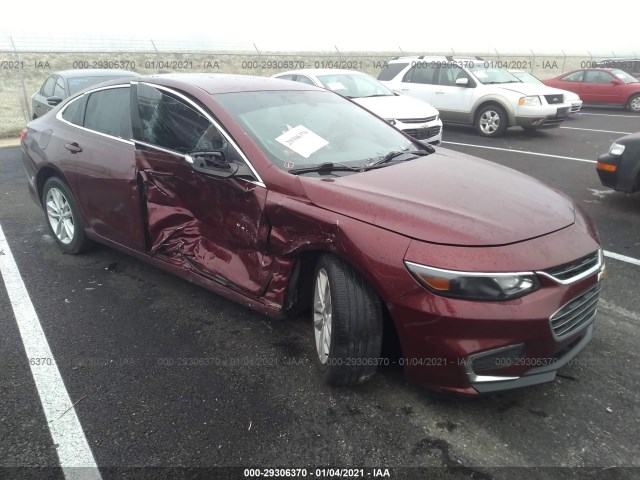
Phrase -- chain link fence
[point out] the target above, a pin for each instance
(26, 62)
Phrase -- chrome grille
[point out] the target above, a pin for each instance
(423, 133)
(569, 270)
(418, 120)
(578, 313)
(554, 99)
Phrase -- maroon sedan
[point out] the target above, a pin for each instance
(605, 86)
(289, 198)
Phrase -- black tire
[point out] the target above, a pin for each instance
(499, 116)
(78, 241)
(633, 105)
(356, 324)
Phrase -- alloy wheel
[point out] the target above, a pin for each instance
(322, 311)
(489, 121)
(60, 215)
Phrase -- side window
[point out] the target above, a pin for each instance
(597, 76)
(573, 77)
(303, 79)
(422, 73)
(47, 87)
(108, 111)
(171, 123)
(391, 71)
(58, 90)
(449, 75)
(74, 111)
(285, 77)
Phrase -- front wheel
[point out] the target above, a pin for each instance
(492, 121)
(63, 216)
(347, 323)
(633, 104)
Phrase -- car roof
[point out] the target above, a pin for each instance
(95, 72)
(322, 71)
(214, 83)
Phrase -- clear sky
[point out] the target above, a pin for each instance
(544, 26)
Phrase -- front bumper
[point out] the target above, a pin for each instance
(472, 347)
(576, 106)
(620, 172)
(543, 116)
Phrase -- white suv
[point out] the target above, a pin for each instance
(473, 91)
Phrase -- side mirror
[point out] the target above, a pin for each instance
(211, 163)
(54, 100)
(615, 81)
(462, 82)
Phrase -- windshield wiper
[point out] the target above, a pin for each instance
(377, 95)
(325, 167)
(392, 155)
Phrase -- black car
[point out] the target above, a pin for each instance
(620, 167)
(60, 85)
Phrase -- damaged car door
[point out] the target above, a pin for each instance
(205, 208)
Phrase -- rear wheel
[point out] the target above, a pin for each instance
(347, 323)
(63, 217)
(492, 121)
(633, 104)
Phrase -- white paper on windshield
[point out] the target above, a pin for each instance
(620, 75)
(302, 141)
(480, 74)
(336, 86)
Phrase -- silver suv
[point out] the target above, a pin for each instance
(474, 91)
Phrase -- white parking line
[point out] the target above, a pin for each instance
(622, 258)
(526, 152)
(592, 130)
(609, 115)
(67, 434)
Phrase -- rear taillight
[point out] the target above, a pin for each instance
(23, 134)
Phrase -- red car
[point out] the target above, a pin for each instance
(289, 198)
(607, 86)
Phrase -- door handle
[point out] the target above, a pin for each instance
(73, 147)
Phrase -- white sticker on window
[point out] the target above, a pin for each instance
(302, 141)
(620, 75)
(336, 86)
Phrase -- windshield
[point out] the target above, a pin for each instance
(305, 128)
(354, 85)
(490, 76)
(527, 78)
(624, 76)
(80, 83)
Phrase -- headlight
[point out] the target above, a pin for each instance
(616, 149)
(529, 101)
(390, 120)
(474, 286)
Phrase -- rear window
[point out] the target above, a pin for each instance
(74, 111)
(108, 111)
(391, 71)
(80, 83)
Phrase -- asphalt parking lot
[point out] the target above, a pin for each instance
(127, 338)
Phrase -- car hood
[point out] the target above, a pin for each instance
(526, 88)
(447, 198)
(397, 106)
